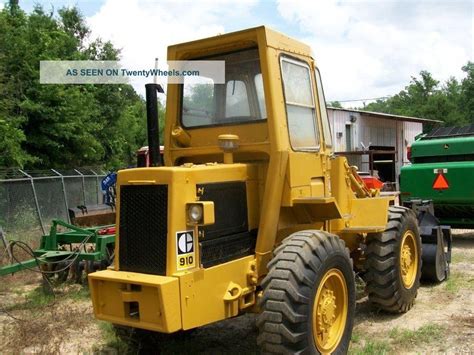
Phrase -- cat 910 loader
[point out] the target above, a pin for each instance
(251, 211)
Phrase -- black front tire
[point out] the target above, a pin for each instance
(290, 289)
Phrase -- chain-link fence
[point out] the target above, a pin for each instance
(30, 200)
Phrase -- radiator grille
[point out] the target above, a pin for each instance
(143, 228)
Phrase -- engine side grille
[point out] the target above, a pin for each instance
(223, 249)
(230, 208)
(143, 228)
(228, 238)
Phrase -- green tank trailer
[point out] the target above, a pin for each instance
(442, 171)
(440, 180)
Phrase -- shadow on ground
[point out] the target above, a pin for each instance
(232, 336)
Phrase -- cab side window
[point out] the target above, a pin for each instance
(324, 112)
(260, 95)
(300, 108)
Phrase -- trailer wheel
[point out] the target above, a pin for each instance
(308, 299)
(435, 267)
(393, 262)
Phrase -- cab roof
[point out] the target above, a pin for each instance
(258, 36)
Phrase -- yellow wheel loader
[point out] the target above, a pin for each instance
(251, 211)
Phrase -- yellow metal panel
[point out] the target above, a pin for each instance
(304, 177)
(253, 202)
(157, 298)
(317, 187)
(203, 292)
(303, 167)
(369, 213)
(280, 41)
(320, 208)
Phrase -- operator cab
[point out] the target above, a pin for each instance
(258, 88)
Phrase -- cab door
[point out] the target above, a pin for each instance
(308, 158)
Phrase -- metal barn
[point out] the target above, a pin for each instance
(375, 142)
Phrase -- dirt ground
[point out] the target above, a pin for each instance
(442, 321)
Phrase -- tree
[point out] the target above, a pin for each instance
(48, 126)
(199, 97)
(467, 92)
(425, 97)
(335, 104)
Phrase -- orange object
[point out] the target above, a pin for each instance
(372, 182)
(440, 183)
(106, 231)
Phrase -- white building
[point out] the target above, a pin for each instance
(375, 141)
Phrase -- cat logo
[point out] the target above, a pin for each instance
(185, 250)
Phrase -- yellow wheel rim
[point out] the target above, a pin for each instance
(330, 311)
(408, 259)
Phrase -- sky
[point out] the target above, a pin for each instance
(364, 49)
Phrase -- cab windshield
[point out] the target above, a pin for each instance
(240, 100)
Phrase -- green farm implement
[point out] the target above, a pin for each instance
(67, 250)
(441, 172)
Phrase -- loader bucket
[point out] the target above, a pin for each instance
(92, 215)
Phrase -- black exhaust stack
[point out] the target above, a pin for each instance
(152, 123)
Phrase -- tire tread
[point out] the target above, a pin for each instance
(297, 261)
(382, 279)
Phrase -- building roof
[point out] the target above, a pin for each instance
(388, 115)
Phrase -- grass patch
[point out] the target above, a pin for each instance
(38, 297)
(81, 294)
(371, 347)
(457, 281)
(35, 299)
(423, 335)
(360, 345)
(356, 337)
(398, 338)
(461, 257)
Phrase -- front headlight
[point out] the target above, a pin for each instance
(200, 213)
(195, 213)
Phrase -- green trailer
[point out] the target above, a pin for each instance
(440, 179)
(442, 171)
(67, 252)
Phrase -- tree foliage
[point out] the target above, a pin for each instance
(451, 102)
(61, 125)
(335, 104)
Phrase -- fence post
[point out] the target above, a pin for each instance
(83, 186)
(64, 194)
(36, 199)
(6, 244)
(96, 184)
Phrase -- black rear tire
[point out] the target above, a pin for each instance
(386, 287)
(288, 317)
